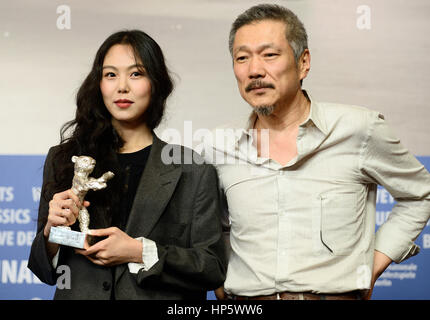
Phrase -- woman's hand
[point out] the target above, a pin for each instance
(117, 248)
(63, 210)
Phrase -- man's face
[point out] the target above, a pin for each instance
(264, 65)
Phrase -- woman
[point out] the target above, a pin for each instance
(159, 222)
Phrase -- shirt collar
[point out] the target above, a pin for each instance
(316, 116)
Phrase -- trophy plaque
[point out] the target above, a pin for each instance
(81, 184)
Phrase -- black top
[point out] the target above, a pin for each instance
(133, 165)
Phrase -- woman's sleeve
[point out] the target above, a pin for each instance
(202, 266)
(39, 262)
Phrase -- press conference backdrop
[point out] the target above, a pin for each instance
(19, 197)
(372, 53)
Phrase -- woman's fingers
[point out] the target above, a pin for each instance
(62, 217)
(56, 221)
(103, 232)
(68, 194)
(71, 205)
(69, 216)
(66, 200)
(63, 209)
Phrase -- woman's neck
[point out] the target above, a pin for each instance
(135, 137)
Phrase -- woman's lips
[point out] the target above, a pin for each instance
(123, 103)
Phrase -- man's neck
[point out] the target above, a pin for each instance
(288, 116)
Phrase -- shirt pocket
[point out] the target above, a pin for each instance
(340, 224)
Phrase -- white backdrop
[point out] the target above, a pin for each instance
(384, 67)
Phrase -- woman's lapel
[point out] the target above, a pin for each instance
(156, 186)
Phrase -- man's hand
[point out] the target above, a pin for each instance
(220, 293)
(380, 263)
(117, 248)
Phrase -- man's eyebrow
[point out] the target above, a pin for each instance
(139, 66)
(259, 48)
(268, 46)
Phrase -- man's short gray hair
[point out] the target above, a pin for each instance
(295, 30)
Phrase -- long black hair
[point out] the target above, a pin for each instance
(91, 132)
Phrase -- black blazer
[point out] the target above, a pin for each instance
(176, 205)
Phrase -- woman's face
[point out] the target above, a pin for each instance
(126, 90)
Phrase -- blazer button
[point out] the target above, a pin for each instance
(106, 285)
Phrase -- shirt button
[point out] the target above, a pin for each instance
(106, 285)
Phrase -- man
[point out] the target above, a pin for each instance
(302, 202)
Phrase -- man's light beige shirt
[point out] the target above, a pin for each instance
(310, 225)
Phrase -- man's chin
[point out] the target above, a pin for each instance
(264, 110)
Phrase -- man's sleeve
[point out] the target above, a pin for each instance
(209, 154)
(386, 162)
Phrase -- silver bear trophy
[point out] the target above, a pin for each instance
(82, 183)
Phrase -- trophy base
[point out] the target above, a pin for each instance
(67, 237)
